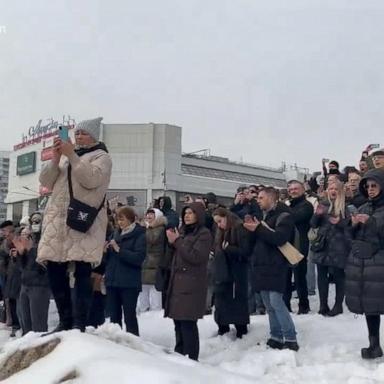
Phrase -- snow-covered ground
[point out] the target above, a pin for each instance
(329, 353)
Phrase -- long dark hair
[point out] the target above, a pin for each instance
(228, 234)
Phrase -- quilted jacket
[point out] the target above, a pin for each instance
(90, 179)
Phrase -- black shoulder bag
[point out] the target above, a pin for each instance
(80, 216)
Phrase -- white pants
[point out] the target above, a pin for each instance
(149, 299)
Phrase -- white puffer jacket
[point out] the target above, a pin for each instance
(91, 174)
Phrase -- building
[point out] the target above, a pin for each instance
(4, 172)
(147, 163)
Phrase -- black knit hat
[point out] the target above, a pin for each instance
(211, 198)
(6, 223)
(335, 163)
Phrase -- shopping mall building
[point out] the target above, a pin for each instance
(147, 163)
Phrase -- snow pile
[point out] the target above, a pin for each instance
(329, 353)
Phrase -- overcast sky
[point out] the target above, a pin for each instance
(264, 81)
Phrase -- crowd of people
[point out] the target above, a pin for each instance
(100, 263)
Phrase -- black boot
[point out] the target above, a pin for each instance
(274, 344)
(303, 310)
(241, 330)
(336, 310)
(324, 310)
(292, 345)
(374, 350)
(60, 328)
(223, 329)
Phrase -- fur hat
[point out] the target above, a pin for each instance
(156, 211)
(92, 127)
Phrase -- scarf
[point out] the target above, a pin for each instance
(80, 151)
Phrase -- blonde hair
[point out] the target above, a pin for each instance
(337, 207)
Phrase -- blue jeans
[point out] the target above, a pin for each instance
(280, 321)
(311, 274)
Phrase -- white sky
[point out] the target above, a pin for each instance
(258, 80)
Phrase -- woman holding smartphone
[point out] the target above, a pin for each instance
(331, 247)
(230, 273)
(365, 266)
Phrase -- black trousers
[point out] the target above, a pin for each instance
(373, 324)
(34, 306)
(96, 314)
(187, 338)
(123, 300)
(300, 277)
(13, 311)
(73, 307)
(338, 274)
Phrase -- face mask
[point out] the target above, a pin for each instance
(36, 228)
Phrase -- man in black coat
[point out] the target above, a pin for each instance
(270, 267)
(302, 211)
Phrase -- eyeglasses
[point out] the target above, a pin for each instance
(252, 191)
(372, 186)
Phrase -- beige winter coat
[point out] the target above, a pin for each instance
(90, 179)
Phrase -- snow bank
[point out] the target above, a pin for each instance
(329, 353)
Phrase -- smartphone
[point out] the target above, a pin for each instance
(326, 160)
(352, 209)
(63, 133)
(374, 146)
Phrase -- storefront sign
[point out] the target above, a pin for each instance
(43, 130)
(26, 163)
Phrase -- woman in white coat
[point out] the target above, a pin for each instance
(70, 254)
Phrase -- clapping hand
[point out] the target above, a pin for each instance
(251, 224)
(359, 218)
(172, 235)
(114, 246)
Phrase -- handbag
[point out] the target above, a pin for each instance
(80, 216)
(319, 243)
(312, 234)
(292, 254)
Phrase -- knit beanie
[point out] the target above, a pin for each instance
(92, 127)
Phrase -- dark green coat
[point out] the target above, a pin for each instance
(156, 246)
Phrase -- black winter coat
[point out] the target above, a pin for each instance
(302, 211)
(123, 269)
(337, 241)
(170, 214)
(269, 266)
(230, 272)
(187, 291)
(357, 200)
(11, 273)
(365, 266)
